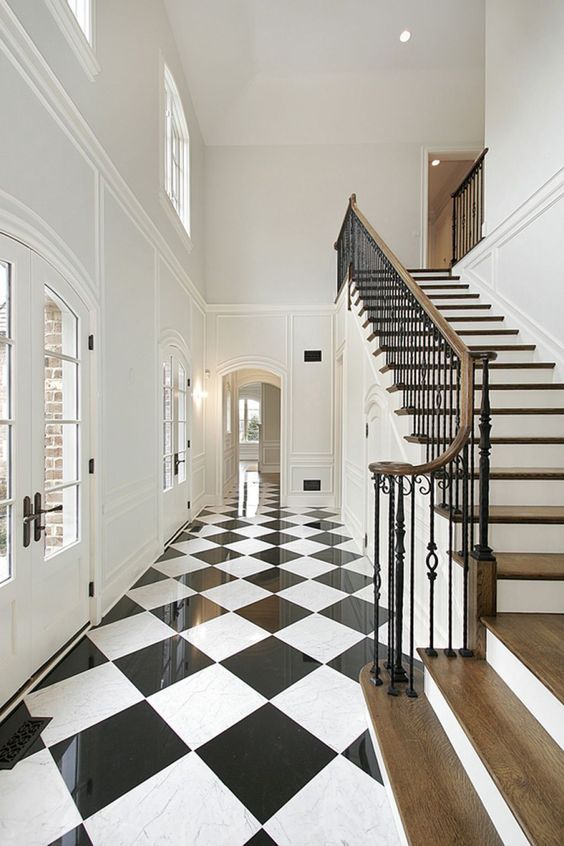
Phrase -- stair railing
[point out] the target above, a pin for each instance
(438, 377)
(468, 210)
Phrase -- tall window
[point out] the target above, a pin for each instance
(177, 152)
(249, 420)
(82, 10)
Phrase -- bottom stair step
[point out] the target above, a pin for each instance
(522, 766)
(435, 798)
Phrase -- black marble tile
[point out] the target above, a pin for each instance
(351, 662)
(170, 553)
(189, 612)
(273, 613)
(320, 514)
(84, 656)
(75, 837)
(11, 724)
(344, 580)
(223, 538)
(277, 525)
(265, 782)
(126, 607)
(218, 554)
(185, 536)
(275, 555)
(275, 579)
(270, 666)
(336, 556)
(114, 756)
(229, 525)
(276, 514)
(149, 578)
(361, 753)
(277, 538)
(195, 527)
(158, 666)
(261, 838)
(329, 538)
(205, 579)
(355, 613)
(323, 525)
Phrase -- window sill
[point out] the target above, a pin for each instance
(75, 37)
(172, 215)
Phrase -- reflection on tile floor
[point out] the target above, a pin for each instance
(218, 701)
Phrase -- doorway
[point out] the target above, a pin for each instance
(444, 173)
(176, 417)
(44, 464)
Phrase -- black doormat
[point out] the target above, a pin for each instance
(14, 748)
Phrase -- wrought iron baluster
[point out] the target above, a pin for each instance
(377, 580)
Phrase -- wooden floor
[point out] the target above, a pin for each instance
(435, 798)
(537, 640)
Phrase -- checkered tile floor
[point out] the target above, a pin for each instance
(218, 702)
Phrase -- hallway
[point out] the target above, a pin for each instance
(218, 701)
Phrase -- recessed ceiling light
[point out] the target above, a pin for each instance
(405, 36)
(435, 162)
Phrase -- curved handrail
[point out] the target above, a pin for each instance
(467, 361)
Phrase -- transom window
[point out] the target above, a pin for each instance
(177, 152)
(82, 10)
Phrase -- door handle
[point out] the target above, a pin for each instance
(35, 517)
(177, 462)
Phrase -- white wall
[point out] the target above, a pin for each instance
(524, 107)
(79, 170)
(269, 459)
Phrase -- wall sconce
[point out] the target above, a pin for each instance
(201, 393)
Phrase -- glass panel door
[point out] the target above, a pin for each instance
(175, 443)
(6, 424)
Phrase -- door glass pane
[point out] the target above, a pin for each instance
(61, 527)
(5, 535)
(61, 389)
(167, 473)
(5, 484)
(181, 467)
(60, 326)
(5, 317)
(5, 356)
(61, 454)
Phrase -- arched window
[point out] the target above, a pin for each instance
(177, 152)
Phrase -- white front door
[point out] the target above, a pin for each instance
(44, 454)
(175, 441)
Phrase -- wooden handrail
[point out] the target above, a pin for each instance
(467, 364)
(474, 166)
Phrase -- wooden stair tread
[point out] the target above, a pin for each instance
(494, 386)
(494, 365)
(548, 441)
(537, 641)
(439, 286)
(525, 763)
(521, 514)
(483, 318)
(494, 411)
(539, 566)
(536, 473)
(435, 798)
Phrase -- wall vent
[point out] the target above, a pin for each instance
(312, 355)
(312, 484)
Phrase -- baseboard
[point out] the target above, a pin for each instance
(129, 571)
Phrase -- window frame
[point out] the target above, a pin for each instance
(175, 192)
(247, 414)
(81, 42)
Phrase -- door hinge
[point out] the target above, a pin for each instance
(91, 342)
(91, 589)
(365, 539)
(188, 505)
(366, 431)
(187, 383)
(188, 445)
(91, 466)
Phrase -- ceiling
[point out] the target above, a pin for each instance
(331, 71)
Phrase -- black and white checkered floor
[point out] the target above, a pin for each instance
(218, 702)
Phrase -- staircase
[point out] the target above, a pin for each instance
(473, 753)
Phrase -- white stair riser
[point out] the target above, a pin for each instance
(522, 374)
(530, 596)
(519, 537)
(527, 455)
(526, 492)
(527, 425)
(542, 704)
(516, 398)
(507, 826)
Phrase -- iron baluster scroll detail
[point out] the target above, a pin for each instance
(427, 529)
(468, 210)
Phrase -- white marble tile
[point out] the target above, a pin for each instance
(366, 593)
(224, 636)
(234, 595)
(129, 635)
(300, 531)
(341, 806)
(211, 529)
(194, 545)
(299, 519)
(179, 566)
(349, 546)
(310, 568)
(185, 804)
(243, 567)
(319, 637)
(302, 546)
(160, 593)
(254, 531)
(35, 805)
(81, 701)
(328, 704)
(214, 518)
(313, 595)
(362, 566)
(205, 704)
(258, 520)
(248, 546)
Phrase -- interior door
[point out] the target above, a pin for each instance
(175, 441)
(44, 447)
